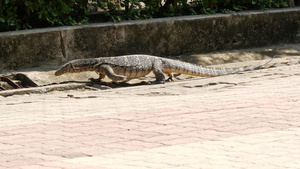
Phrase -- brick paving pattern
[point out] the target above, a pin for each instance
(254, 123)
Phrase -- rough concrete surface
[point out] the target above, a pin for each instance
(248, 120)
(163, 37)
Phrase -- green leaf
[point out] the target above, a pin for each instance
(27, 3)
(2, 19)
(65, 8)
(6, 1)
(54, 13)
(285, 4)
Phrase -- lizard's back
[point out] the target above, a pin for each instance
(131, 66)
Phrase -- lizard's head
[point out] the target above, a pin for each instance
(76, 66)
(69, 67)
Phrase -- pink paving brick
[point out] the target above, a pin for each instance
(130, 128)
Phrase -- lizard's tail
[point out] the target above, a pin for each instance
(196, 70)
(76, 66)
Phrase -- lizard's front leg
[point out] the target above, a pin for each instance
(109, 72)
(101, 76)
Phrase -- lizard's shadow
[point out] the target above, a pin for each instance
(118, 84)
(108, 84)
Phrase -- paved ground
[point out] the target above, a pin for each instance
(249, 120)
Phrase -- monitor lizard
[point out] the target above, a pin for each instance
(124, 68)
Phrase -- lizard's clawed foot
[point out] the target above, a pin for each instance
(95, 80)
(158, 82)
(170, 79)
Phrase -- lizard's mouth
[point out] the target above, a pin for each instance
(61, 71)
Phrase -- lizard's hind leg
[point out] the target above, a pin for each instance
(171, 77)
(157, 70)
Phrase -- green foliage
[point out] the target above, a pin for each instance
(262, 4)
(24, 14)
(230, 6)
(117, 10)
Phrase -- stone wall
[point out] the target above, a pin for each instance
(163, 37)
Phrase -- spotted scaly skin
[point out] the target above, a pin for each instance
(124, 68)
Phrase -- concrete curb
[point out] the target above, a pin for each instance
(163, 37)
